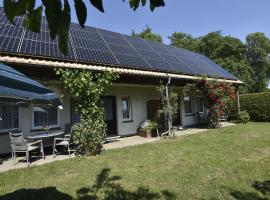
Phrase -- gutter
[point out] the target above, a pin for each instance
(56, 64)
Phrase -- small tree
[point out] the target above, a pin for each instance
(87, 87)
(168, 109)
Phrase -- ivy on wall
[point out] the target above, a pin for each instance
(87, 87)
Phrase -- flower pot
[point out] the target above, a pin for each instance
(145, 134)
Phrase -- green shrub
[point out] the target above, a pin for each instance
(257, 105)
(243, 117)
(87, 88)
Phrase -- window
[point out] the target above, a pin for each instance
(45, 116)
(200, 104)
(9, 116)
(126, 108)
(74, 115)
(188, 105)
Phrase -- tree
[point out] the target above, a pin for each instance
(147, 34)
(183, 40)
(58, 14)
(257, 53)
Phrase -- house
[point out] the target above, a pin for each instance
(141, 65)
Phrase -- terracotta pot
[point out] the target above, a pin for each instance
(145, 134)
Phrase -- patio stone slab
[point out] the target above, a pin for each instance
(21, 163)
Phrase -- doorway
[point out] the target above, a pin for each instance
(110, 114)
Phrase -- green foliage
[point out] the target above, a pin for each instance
(168, 109)
(243, 117)
(258, 49)
(151, 125)
(81, 12)
(183, 40)
(87, 87)
(257, 105)
(147, 34)
(58, 15)
(220, 97)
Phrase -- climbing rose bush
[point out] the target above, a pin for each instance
(220, 96)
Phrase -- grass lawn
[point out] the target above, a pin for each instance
(229, 163)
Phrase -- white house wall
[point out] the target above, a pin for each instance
(139, 96)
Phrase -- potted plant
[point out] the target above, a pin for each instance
(147, 129)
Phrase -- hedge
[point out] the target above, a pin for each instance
(257, 105)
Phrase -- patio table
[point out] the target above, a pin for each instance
(46, 134)
(47, 137)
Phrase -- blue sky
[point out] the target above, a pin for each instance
(196, 17)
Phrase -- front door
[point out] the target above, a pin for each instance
(110, 114)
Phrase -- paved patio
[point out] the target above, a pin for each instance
(137, 140)
(8, 163)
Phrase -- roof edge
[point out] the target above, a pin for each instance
(20, 60)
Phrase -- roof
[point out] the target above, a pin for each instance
(94, 46)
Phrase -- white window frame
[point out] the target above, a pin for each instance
(203, 105)
(188, 98)
(130, 109)
(40, 127)
(6, 130)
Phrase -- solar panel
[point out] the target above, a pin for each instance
(88, 55)
(95, 45)
(134, 61)
(90, 46)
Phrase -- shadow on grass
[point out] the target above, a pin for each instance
(41, 194)
(105, 187)
(263, 192)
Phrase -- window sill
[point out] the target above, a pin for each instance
(51, 129)
(128, 121)
(4, 133)
(189, 114)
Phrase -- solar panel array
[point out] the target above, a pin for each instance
(93, 45)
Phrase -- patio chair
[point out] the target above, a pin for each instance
(65, 141)
(19, 144)
(202, 118)
(223, 118)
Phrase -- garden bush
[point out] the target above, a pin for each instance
(87, 88)
(257, 105)
(243, 117)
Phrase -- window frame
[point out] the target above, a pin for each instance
(130, 109)
(203, 105)
(8, 129)
(40, 127)
(191, 109)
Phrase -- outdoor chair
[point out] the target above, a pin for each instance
(223, 118)
(19, 144)
(202, 118)
(65, 141)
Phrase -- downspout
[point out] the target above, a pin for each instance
(238, 99)
(169, 114)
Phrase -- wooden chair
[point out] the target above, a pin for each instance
(19, 144)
